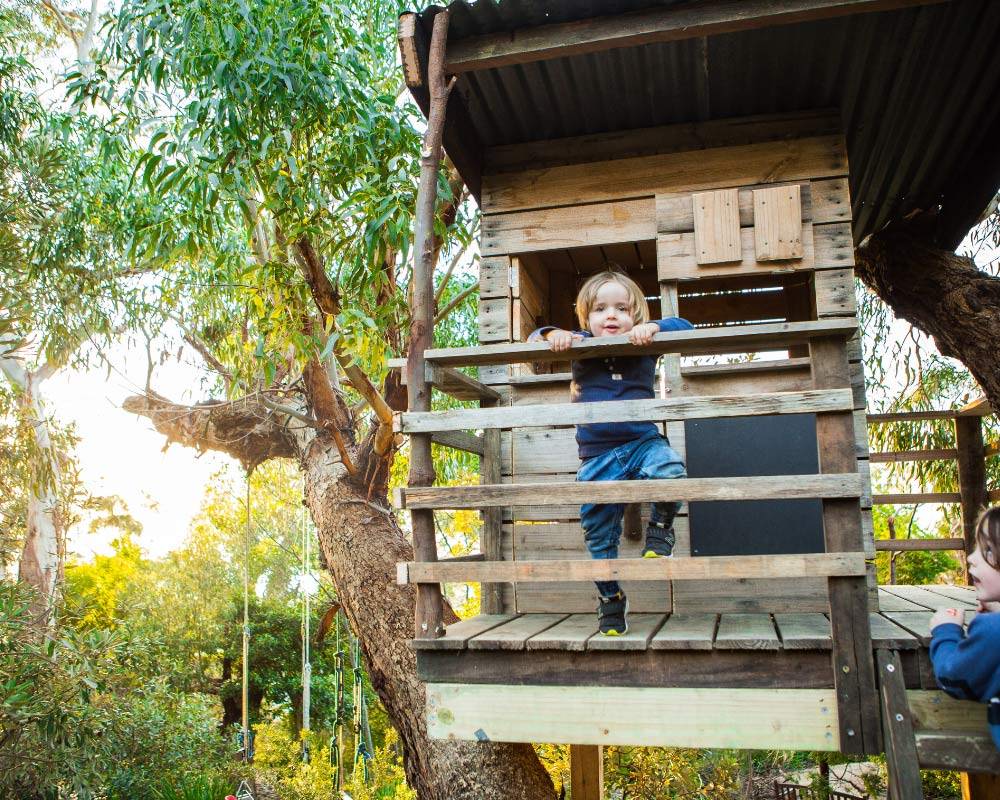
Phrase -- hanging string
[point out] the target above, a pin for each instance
(247, 742)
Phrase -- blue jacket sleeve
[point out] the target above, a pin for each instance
(673, 324)
(967, 665)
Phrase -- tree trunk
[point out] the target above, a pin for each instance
(41, 563)
(361, 543)
(943, 294)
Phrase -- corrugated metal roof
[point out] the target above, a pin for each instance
(917, 91)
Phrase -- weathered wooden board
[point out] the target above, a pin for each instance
(936, 711)
(673, 408)
(887, 634)
(824, 247)
(457, 635)
(716, 226)
(966, 594)
(778, 223)
(641, 628)
(771, 487)
(803, 631)
(644, 597)
(494, 320)
(835, 296)
(891, 602)
(703, 341)
(512, 635)
(822, 201)
(790, 719)
(733, 307)
(743, 165)
(494, 277)
(686, 632)
(570, 634)
(586, 225)
(746, 632)
(808, 565)
(928, 599)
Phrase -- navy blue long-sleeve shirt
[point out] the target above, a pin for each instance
(618, 378)
(967, 664)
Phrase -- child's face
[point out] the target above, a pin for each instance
(985, 578)
(611, 313)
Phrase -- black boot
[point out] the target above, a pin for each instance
(659, 540)
(611, 615)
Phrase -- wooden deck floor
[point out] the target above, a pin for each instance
(682, 649)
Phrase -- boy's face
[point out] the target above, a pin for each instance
(985, 578)
(611, 313)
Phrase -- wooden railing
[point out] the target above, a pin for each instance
(839, 485)
(970, 452)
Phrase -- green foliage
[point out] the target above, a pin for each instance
(201, 787)
(84, 712)
(913, 567)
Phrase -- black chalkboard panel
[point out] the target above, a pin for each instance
(746, 446)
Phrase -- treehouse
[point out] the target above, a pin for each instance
(729, 157)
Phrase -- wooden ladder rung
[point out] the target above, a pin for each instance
(815, 401)
(771, 487)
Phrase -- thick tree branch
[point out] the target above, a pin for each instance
(943, 294)
(244, 429)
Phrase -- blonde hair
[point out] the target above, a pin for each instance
(638, 307)
(988, 535)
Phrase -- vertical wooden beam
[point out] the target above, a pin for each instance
(490, 594)
(586, 771)
(428, 622)
(854, 674)
(980, 786)
(971, 475)
(897, 727)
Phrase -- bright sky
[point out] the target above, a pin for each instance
(122, 454)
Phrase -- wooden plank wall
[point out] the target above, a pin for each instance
(545, 227)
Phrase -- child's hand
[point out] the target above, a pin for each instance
(644, 333)
(561, 340)
(949, 615)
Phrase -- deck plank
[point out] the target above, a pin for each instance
(515, 633)
(641, 628)
(458, 634)
(918, 622)
(570, 634)
(803, 631)
(963, 594)
(686, 632)
(926, 598)
(886, 634)
(746, 632)
(891, 602)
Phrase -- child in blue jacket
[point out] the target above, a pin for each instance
(967, 663)
(611, 304)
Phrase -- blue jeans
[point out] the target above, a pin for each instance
(648, 458)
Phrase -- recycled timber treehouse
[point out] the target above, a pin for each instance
(705, 148)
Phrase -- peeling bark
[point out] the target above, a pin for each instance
(361, 544)
(943, 294)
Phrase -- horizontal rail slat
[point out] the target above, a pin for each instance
(906, 498)
(813, 401)
(702, 341)
(903, 545)
(811, 565)
(772, 487)
(893, 456)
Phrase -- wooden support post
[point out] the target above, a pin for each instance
(586, 771)
(897, 728)
(980, 786)
(854, 674)
(491, 598)
(428, 622)
(971, 474)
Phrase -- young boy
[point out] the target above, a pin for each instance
(611, 304)
(967, 664)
